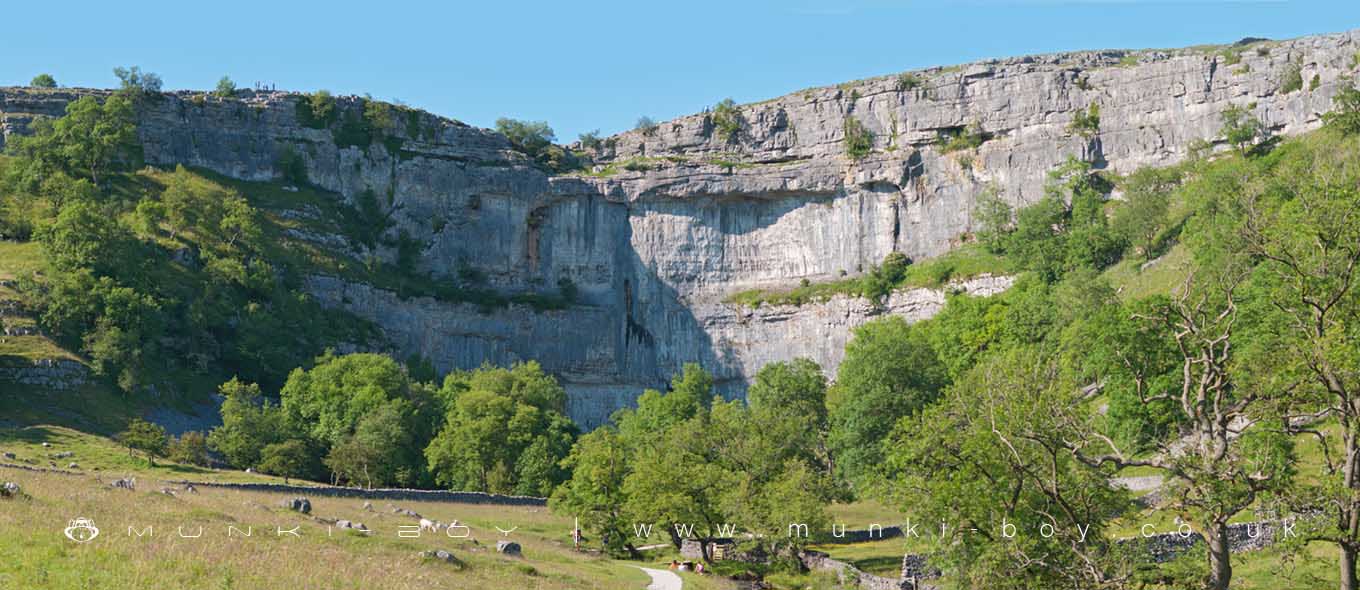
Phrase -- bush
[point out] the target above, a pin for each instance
(136, 82)
(646, 125)
(291, 166)
(727, 120)
(316, 110)
(908, 81)
(858, 140)
(1345, 115)
(591, 140)
(191, 448)
(530, 137)
(43, 81)
(1292, 80)
(1314, 83)
(968, 138)
(225, 88)
(1086, 123)
(1241, 128)
(144, 436)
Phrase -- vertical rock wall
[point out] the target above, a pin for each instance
(676, 219)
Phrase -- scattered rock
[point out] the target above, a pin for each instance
(302, 505)
(168, 492)
(442, 555)
(10, 456)
(10, 490)
(188, 487)
(508, 548)
(47, 445)
(63, 455)
(73, 465)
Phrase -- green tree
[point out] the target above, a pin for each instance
(1345, 113)
(290, 459)
(691, 394)
(1221, 469)
(146, 437)
(530, 137)
(1142, 217)
(598, 464)
(190, 447)
(226, 88)
(727, 120)
(505, 431)
(249, 424)
(1241, 128)
(993, 217)
(1307, 352)
(991, 460)
(1086, 123)
(83, 236)
(43, 81)
(134, 82)
(330, 399)
(890, 371)
(92, 138)
(788, 400)
(382, 450)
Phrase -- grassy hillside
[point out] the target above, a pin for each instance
(38, 556)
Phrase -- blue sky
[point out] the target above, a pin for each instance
(586, 65)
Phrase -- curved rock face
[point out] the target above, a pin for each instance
(675, 219)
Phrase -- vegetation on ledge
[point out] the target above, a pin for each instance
(896, 272)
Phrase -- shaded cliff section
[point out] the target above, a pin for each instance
(674, 219)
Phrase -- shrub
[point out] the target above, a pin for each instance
(1241, 128)
(144, 436)
(191, 448)
(727, 119)
(316, 110)
(591, 140)
(136, 82)
(1086, 123)
(291, 166)
(646, 125)
(908, 81)
(858, 140)
(1345, 117)
(1292, 80)
(970, 137)
(43, 81)
(1314, 83)
(530, 137)
(225, 88)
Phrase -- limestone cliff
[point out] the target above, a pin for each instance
(675, 218)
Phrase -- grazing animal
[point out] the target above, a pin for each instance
(127, 484)
(429, 525)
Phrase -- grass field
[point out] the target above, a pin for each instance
(36, 554)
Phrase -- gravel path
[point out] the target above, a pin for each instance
(663, 579)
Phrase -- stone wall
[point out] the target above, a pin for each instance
(655, 249)
(52, 374)
(380, 494)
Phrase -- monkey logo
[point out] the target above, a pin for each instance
(82, 530)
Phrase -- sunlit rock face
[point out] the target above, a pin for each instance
(674, 220)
